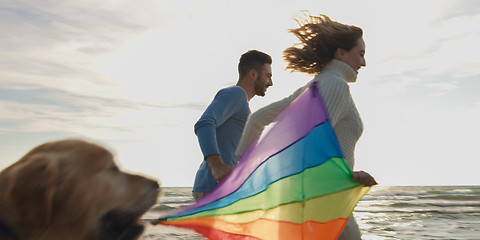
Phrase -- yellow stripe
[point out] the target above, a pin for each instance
(320, 209)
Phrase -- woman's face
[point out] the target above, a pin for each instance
(355, 57)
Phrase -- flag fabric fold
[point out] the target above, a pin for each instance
(293, 184)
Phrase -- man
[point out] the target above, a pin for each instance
(220, 127)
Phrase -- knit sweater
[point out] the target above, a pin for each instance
(344, 117)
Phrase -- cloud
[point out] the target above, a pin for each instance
(53, 43)
(40, 109)
(138, 74)
(50, 61)
(458, 9)
(430, 58)
(441, 88)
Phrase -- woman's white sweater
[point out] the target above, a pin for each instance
(336, 95)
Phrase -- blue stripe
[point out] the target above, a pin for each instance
(314, 149)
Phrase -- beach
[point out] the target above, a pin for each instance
(386, 212)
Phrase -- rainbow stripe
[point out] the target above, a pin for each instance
(294, 184)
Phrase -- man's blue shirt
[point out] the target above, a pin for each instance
(219, 130)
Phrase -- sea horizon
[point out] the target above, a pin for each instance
(386, 212)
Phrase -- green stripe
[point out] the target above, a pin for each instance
(332, 176)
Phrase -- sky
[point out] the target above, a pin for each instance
(135, 76)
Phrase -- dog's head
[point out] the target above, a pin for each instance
(76, 187)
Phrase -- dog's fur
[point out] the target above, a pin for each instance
(72, 189)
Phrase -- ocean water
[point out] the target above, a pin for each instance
(386, 212)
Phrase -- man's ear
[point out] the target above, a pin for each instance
(252, 74)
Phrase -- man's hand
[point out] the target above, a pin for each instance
(219, 169)
(364, 178)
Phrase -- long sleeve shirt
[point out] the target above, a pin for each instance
(219, 130)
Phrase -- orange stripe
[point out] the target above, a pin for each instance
(268, 229)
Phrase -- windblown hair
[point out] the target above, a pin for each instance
(319, 38)
(253, 59)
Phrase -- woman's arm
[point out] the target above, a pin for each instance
(258, 120)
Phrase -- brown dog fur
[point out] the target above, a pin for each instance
(72, 189)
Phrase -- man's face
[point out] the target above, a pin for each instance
(264, 80)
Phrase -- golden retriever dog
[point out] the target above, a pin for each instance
(72, 190)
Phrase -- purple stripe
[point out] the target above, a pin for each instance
(293, 123)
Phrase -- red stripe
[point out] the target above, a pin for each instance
(263, 229)
(215, 234)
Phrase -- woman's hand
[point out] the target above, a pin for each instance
(364, 178)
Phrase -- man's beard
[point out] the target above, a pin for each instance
(259, 87)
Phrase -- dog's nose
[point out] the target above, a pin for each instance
(155, 185)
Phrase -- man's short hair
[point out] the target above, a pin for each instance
(253, 59)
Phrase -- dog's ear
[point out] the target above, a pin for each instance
(31, 187)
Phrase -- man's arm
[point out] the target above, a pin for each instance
(224, 105)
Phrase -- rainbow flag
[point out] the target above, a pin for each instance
(293, 184)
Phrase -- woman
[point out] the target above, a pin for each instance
(334, 52)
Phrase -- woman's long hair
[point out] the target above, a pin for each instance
(319, 38)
